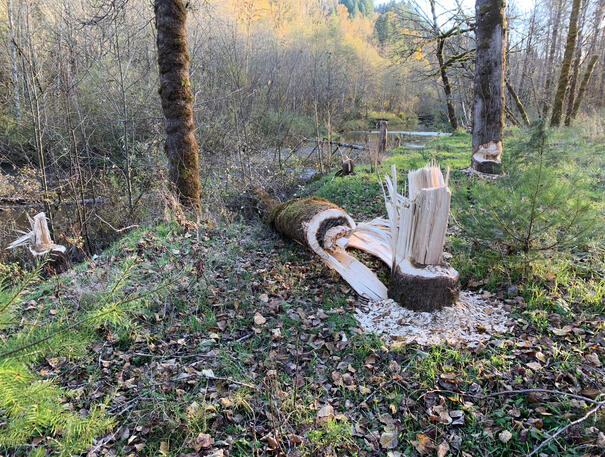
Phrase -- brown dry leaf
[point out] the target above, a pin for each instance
(325, 414)
(505, 436)
(202, 441)
(423, 443)
(593, 359)
(259, 319)
(439, 413)
(562, 331)
(388, 439)
(164, 448)
(443, 449)
(535, 366)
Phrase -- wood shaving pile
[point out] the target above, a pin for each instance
(474, 318)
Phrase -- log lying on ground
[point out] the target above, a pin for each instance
(322, 226)
(410, 242)
(40, 244)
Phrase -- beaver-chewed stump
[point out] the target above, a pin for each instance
(424, 289)
(420, 279)
(410, 242)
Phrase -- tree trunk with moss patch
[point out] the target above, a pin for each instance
(570, 46)
(591, 64)
(177, 99)
(488, 105)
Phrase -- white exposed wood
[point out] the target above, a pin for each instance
(363, 280)
(38, 239)
(418, 223)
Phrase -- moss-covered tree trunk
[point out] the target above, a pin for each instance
(177, 99)
(552, 48)
(570, 46)
(589, 69)
(518, 102)
(488, 104)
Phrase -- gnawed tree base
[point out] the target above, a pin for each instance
(424, 289)
(410, 242)
(487, 158)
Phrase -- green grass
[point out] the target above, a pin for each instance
(270, 384)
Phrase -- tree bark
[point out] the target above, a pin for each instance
(576, 106)
(488, 105)
(570, 46)
(13, 52)
(577, 63)
(447, 88)
(518, 102)
(177, 99)
(551, 58)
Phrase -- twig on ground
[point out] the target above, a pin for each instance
(520, 391)
(562, 429)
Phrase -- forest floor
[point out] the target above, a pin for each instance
(242, 343)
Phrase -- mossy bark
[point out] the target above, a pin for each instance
(181, 147)
(518, 103)
(589, 69)
(291, 218)
(570, 46)
(488, 103)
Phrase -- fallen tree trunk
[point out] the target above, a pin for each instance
(410, 242)
(321, 226)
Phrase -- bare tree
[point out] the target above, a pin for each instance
(488, 105)
(177, 99)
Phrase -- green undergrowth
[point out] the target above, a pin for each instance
(254, 349)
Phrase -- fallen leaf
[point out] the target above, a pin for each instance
(203, 441)
(505, 436)
(325, 414)
(388, 440)
(423, 444)
(259, 319)
(443, 449)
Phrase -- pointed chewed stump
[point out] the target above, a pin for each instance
(411, 241)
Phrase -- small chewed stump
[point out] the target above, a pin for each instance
(424, 289)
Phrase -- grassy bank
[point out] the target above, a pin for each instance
(250, 347)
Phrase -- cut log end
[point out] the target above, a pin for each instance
(424, 289)
(487, 158)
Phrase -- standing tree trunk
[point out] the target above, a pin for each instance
(577, 63)
(551, 58)
(488, 104)
(557, 107)
(177, 99)
(14, 72)
(447, 87)
(583, 85)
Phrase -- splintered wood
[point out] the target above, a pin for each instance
(410, 242)
(419, 222)
(38, 239)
